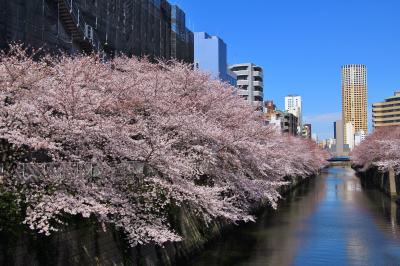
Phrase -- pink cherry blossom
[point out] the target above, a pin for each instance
(381, 149)
(125, 141)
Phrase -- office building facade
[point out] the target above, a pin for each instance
(354, 97)
(290, 124)
(132, 27)
(250, 82)
(349, 133)
(339, 135)
(182, 39)
(387, 113)
(210, 55)
(359, 137)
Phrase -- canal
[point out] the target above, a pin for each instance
(330, 220)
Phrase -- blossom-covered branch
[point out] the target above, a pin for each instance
(205, 147)
(381, 149)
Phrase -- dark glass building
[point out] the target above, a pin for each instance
(182, 39)
(133, 27)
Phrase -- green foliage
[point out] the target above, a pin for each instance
(10, 213)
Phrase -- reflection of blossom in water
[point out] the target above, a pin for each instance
(380, 209)
(335, 222)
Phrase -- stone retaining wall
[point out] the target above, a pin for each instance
(388, 181)
(83, 242)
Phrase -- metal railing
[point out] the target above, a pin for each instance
(81, 25)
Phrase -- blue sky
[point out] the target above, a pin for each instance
(301, 44)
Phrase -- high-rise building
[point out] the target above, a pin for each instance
(250, 82)
(210, 55)
(338, 135)
(293, 105)
(132, 27)
(354, 97)
(387, 113)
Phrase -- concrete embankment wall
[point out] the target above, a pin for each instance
(387, 181)
(83, 242)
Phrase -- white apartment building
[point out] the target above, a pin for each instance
(293, 105)
(349, 135)
(359, 137)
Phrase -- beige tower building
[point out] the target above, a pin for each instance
(354, 97)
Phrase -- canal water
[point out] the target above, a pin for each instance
(330, 220)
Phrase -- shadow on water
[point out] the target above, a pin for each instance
(329, 220)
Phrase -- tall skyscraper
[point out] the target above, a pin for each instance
(387, 113)
(250, 82)
(210, 55)
(293, 105)
(354, 97)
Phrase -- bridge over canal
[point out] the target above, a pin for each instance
(340, 161)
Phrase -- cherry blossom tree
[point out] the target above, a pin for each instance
(381, 149)
(156, 136)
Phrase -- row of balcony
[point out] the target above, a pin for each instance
(246, 93)
(386, 119)
(385, 124)
(247, 73)
(255, 93)
(245, 67)
(384, 114)
(385, 105)
(245, 82)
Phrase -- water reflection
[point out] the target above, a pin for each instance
(331, 220)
